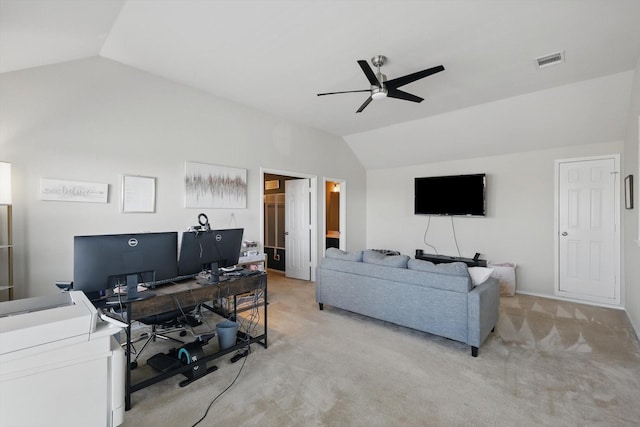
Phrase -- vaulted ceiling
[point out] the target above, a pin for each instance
(276, 56)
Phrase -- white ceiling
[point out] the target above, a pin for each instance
(277, 55)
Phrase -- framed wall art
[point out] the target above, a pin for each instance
(212, 186)
(73, 191)
(138, 193)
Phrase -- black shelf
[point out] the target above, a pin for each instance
(439, 259)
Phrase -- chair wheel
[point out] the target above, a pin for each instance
(133, 365)
(183, 333)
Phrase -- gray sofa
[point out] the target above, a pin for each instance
(436, 298)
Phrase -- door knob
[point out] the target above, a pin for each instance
(564, 233)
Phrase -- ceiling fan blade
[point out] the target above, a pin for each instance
(401, 81)
(399, 94)
(363, 106)
(369, 73)
(347, 91)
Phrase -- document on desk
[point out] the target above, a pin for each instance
(123, 289)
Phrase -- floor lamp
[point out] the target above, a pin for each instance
(7, 246)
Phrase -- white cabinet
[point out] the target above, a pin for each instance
(59, 364)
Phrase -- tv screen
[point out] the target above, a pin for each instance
(103, 261)
(450, 195)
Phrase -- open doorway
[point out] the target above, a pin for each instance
(289, 222)
(335, 191)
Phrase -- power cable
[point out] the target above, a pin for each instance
(253, 319)
(455, 239)
(424, 238)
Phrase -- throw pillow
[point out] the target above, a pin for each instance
(479, 274)
(345, 256)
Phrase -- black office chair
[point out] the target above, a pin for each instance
(164, 324)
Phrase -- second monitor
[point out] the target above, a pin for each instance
(209, 250)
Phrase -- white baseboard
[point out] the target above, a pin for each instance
(577, 301)
(636, 328)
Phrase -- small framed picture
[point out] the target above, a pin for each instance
(138, 193)
(628, 192)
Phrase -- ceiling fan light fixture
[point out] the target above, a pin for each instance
(379, 93)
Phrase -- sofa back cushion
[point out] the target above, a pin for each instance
(400, 276)
(346, 256)
(452, 268)
(371, 256)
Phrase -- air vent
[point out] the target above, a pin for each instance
(547, 60)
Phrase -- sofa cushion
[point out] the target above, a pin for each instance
(371, 256)
(346, 256)
(452, 268)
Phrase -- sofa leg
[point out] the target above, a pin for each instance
(474, 351)
(321, 306)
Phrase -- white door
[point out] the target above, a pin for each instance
(297, 219)
(588, 234)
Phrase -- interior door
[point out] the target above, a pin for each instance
(298, 229)
(588, 264)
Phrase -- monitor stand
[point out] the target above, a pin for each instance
(132, 292)
(132, 286)
(215, 273)
(215, 276)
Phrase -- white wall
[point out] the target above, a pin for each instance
(631, 244)
(94, 120)
(519, 224)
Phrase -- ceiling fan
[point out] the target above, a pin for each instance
(381, 87)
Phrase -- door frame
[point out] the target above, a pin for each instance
(617, 301)
(313, 210)
(343, 211)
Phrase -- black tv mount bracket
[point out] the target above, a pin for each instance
(203, 220)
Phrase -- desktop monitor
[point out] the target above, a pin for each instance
(102, 262)
(200, 249)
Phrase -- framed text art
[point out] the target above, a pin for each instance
(138, 193)
(73, 191)
(212, 186)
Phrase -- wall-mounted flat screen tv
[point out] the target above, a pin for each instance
(462, 195)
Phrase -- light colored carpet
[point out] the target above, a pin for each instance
(549, 363)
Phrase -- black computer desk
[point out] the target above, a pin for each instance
(186, 294)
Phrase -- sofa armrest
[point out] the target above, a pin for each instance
(483, 311)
